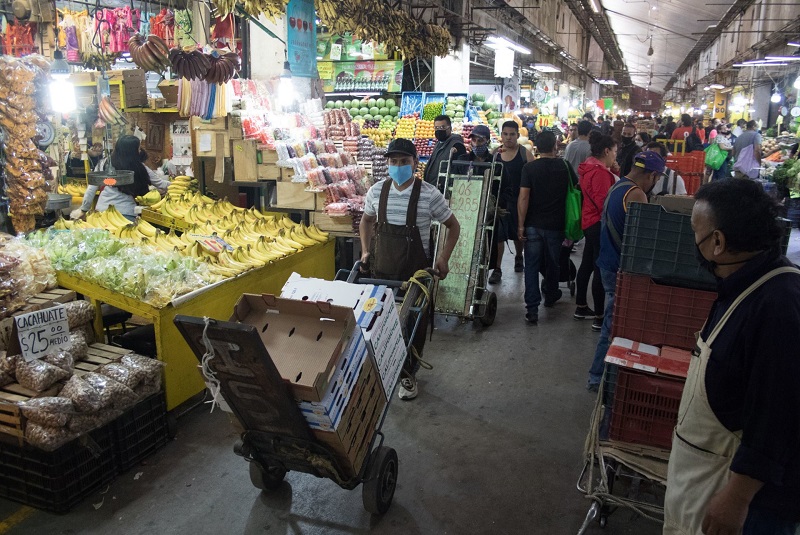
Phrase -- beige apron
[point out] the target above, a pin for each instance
(702, 448)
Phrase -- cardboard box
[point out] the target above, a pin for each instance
(217, 141)
(351, 440)
(375, 313)
(294, 195)
(235, 126)
(305, 340)
(630, 354)
(326, 414)
(244, 160)
(169, 90)
(674, 361)
(680, 204)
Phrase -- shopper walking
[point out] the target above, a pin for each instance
(627, 149)
(596, 179)
(724, 140)
(514, 157)
(542, 214)
(734, 467)
(670, 183)
(448, 146)
(635, 187)
(577, 151)
(747, 146)
(395, 234)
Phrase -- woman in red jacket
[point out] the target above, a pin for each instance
(595, 181)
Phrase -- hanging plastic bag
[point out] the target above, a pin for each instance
(715, 156)
(572, 224)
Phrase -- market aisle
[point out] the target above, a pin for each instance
(492, 445)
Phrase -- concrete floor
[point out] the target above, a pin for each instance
(492, 445)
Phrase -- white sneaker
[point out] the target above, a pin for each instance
(408, 388)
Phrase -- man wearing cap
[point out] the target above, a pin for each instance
(648, 167)
(395, 232)
(448, 145)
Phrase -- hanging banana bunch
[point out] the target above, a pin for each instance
(269, 8)
(376, 21)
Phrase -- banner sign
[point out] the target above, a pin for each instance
(367, 76)
(301, 37)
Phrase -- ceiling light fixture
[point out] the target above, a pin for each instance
(716, 86)
(595, 5)
(707, 88)
(501, 42)
(607, 82)
(782, 58)
(545, 67)
(793, 44)
(776, 96)
(765, 64)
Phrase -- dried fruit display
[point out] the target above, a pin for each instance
(150, 53)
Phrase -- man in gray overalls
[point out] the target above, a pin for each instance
(395, 232)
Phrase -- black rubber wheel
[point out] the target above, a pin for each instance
(489, 311)
(266, 479)
(378, 488)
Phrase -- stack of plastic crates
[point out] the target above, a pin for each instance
(662, 299)
(691, 166)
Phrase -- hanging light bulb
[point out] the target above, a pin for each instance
(776, 97)
(286, 92)
(62, 92)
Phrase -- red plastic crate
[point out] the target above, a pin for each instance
(645, 408)
(689, 163)
(692, 182)
(656, 314)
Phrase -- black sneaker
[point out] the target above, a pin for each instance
(532, 319)
(550, 302)
(597, 323)
(583, 313)
(519, 264)
(496, 277)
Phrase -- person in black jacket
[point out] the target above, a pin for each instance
(448, 146)
(627, 149)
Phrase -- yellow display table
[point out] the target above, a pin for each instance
(181, 375)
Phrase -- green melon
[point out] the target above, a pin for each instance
(364, 110)
(338, 104)
(329, 105)
(395, 110)
(346, 104)
(355, 104)
(372, 102)
(381, 102)
(384, 111)
(368, 117)
(374, 110)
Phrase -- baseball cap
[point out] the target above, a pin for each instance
(483, 131)
(650, 161)
(401, 146)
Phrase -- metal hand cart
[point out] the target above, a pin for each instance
(640, 470)
(277, 438)
(469, 187)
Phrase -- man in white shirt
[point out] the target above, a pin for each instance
(671, 183)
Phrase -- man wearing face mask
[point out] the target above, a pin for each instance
(448, 146)
(395, 233)
(648, 167)
(734, 466)
(627, 149)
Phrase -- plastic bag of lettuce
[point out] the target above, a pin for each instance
(143, 273)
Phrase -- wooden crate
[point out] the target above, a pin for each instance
(245, 160)
(11, 420)
(269, 156)
(286, 174)
(294, 195)
(342, 225)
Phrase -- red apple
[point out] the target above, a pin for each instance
(292, 21)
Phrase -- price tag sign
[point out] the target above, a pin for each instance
(336, 52)
(42, 332)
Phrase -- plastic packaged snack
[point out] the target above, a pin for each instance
(83, 395)
(62, 359)
(47, 438)
(8, 363)
(129, 377)
(48, 411)
(38, 375)
(78, 346)
(79, 313)
(113, 393)
(83, 423)
(151, 367)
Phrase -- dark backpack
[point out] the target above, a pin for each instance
(693, 141)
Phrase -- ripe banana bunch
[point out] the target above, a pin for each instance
(109, 113)
(269, 8)
(150, 53)
(189, 62)
(148, 199)
(110, 219)
(76, 190)
(378, 21)
(223, 67)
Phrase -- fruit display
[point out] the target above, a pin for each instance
(150, 53)
(384, 111)
(432, 110)
(269, 8)
(380, 136)
(405, 128)
(223, 67)
(380, 167)
(192, 65)
(466, 130)
(76, 190)
(424, 147)
(109, 113)
(150, 198)
(379, 21)
(411, 103)
(144, 273)
(425, 130)
(26, 168)
(455, 107)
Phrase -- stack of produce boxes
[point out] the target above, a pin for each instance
(662, 299)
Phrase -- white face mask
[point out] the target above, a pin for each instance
(640, 143)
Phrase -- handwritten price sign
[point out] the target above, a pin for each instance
(42, 332)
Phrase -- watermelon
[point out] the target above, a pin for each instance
(486, 106)
(374, 110)
(384, 111)
(395, 110)
(368, 117)
(329, 105)
(338, 104)
(478, 97)
(364, 111)
(372, 102)
(390, 102)
(346, 104)
(381, 102)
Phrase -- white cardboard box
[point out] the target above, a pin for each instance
(375, 312)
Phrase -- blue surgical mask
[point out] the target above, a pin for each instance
(401, 173)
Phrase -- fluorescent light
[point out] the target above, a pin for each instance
(495, 42)
(783, 58)
(717, 86)
(793, 44)
(767, 64)
(595, 5)
(545, 67)
(607, 82)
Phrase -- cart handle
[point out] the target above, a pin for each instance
(354, 276)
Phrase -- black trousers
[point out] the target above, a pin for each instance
(591, 250)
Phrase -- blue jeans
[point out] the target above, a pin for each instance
(723, 172)
(763, 523)
(539, 243)
(609, 285)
